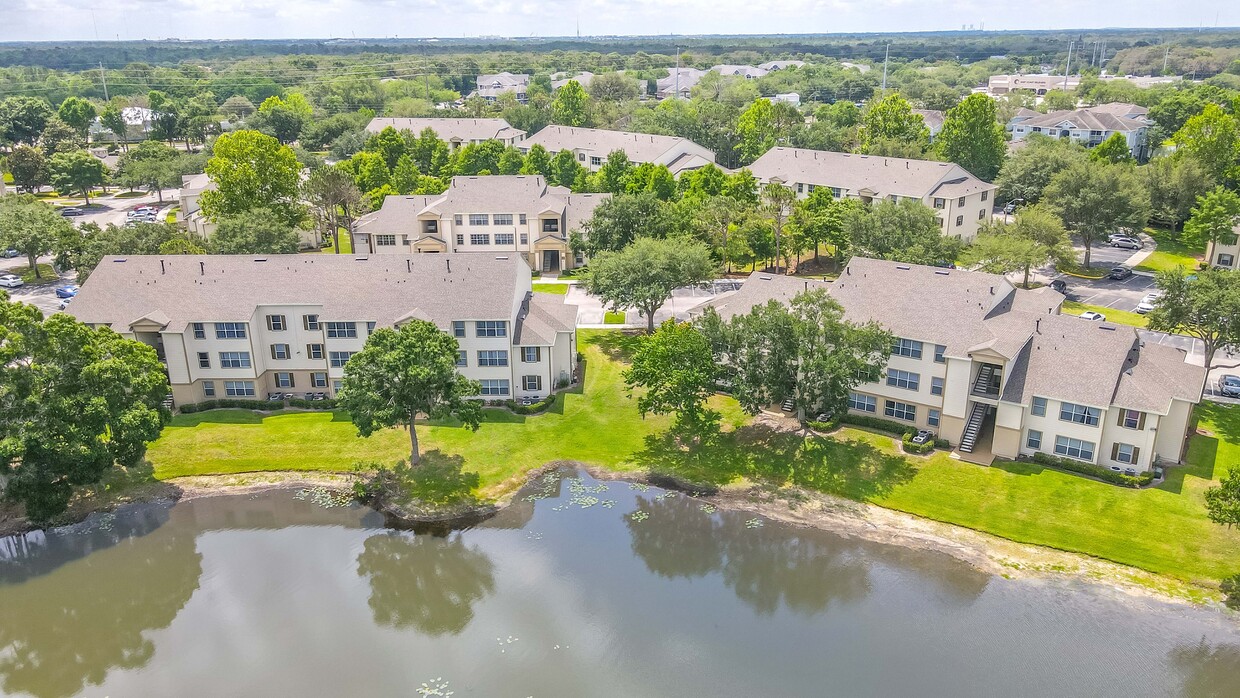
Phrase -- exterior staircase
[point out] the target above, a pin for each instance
(985, 377)
(789, 405)
(977, 415)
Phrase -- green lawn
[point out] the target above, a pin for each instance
(1162, 529)
(1171, 253)
(47, 275)
(346, 245)
(557, 289)
(1122, 317)
(613, 318)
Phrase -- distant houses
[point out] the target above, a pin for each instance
(680, 81)
(455, 132)
(1088, 126)
(591, 146)
(1039, 83)
(492, 85)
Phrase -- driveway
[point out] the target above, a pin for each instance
(590, 310)
(104, 210)
(1120, 295)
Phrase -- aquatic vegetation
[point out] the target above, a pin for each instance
(754, 523)
(708, 508)
(434, 687)
(322, 496)
(639, 516)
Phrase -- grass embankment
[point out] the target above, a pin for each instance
(1122, 317)
(557, 289)
(1162, 529)
(1171, 253)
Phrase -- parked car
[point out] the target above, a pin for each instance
(72, 211)
(922, 436)
(1147, 303)
(11, 281)
(1091, 315)
(1012, 205)
(1126, 243)
(1119, 273)
(10, 253)
(1229, 385)
(66, 291)
(1060, 285)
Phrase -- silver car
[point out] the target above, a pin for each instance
(1229, 385)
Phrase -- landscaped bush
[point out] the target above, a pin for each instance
(919, 449)
(325, 404)
(1098, 471)
(537, 407)
(822, 426)
(887, 425)
(224, 403)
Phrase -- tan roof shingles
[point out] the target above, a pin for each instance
(639, 147)
(757, 290)
(542, 316)
(449, 129)
(854, 173)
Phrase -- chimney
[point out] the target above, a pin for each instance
(202, 268)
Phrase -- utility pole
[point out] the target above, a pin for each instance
(1067, 67)
(104, 77)
(677, 72)
(1093, 54)
(1166, 55)
(886, 55)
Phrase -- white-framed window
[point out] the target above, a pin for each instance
(341, 330)
(230, 330)
(893, 198)
(531, 355)
(276, 323)
(234, 359)
(458, 328)
(1226, 260)
(551, 225)
(1125, 453)
(503, 238)
(522, 219)
(1079, 414)
(239, 388)
(531, 382)
(318, 379)
(1033, 439)
(404, 240)
(337, 384)
(932, 418)
(960, 201)
(581, 157)
(479, 239)
(985, 194)
(279, 351)
(595, 161)
(493, 357)
(907, 347)
(837, 192)
(199, 332)
(903, 379)
(900, 410)
(862, 403)
(1074, 448)
(336, 359)
(1039, 407)
(939, 349)
(1132, 419)
(490, 328)
(462, 358)
(208, 388)
(800, 188)
(370, 328)
(503, 219)
(959, 221)
(494, 386)
(479, 219)
(525, 238)
(314, 351)
(385, 240)
(204, 360)
(284, 379)
(936, 385)
(460, 239)
(456, 220)
(310, 322)
(981, 214)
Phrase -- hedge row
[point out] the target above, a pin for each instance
(887, 425)
(1098, 471)
(540, 406)
(268, 405)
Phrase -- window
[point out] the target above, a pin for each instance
(1131, 419)
(1034, 439)
(531, 382)
(337, 385)
(525, 238)
(960, 201)
(900, 410)
(893, 198)
(936, 386)
(939, 349)
(981, 214)
(1225, 260)
(370, 328)
(318, 380)
(1079, 414)
(1039, 407)
(479, 239)
(340, 330)
(550, 225)
(284, 380)
(314, 351)
(503, 219)
(458, 328)
(279, 351)
(456, 220)
(478, 219)
(595, 161)
(940, 203)
(985, 194)
(385, 240)
(493, 357)
(460, 238)
(495, 386)
(239, 388)
(862, 403)
(837, 192)
(938, 220)
(208, 388)
(230, 330)
(336, 359)
(531, 355)
(490, 328)
(204, 360)
(1125, 453)
(932, 418)
(1074, 448)
(907, 347)
(462, 358)
(903, 379)
(503, 238)
(199, 333)
(521, 219)
(959, 221)
(581, 157)
(310, 322)
(404, 240)
(234, 359)
(800, 188)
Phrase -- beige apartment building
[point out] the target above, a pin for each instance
(961, 201)
(591, 146)
(235, 326)
(454, 132)
(520, 215)
(1225, 255)
(1000, 372)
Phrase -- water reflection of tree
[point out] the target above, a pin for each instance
(423, 582)
(74, 624)
(1208, 670)
(765, 567)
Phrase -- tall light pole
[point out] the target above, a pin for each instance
(886, 54)
(1067, 67)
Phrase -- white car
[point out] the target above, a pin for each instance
(1091, 315)
(1147, 304)
(1126, 243)
(11, 281)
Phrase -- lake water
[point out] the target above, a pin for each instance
(585, 588)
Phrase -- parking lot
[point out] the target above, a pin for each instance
(1120, 295)
(42, 297)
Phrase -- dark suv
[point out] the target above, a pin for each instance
(1119, 273)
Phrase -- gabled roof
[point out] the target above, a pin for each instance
(450, 129)
(932, 117)
(541, 317)
(882, 175)
(639, 147)
(1101, 118)
(759, 289)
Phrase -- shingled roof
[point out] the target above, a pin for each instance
(639, 147)
(450, 129)
(879, 174)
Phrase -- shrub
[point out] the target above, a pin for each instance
(231, 403)
(327, 404)
(919, 449)
(1098, 471)
(887, 425)
(1231, 590)
(537, 407)
(823, 426)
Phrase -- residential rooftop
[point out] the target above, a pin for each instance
(639, 147)
(878, 174)
(464, 130)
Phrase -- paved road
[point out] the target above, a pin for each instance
(1120, 295)
(590, 310)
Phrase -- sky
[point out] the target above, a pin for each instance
(59, 20)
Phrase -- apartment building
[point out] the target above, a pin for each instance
(1000, 372)
(455, 132)
(189, 213)
(591, 146)
(960, 200)
(1224, 255)
(247, 326)
(1089, 126)
(1037, 83)
(491, 86)
(498, 214)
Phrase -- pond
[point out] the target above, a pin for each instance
(581, 588)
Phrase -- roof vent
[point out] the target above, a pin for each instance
(903, 267)
(765, 278)
(120, 260)
(1107, 327)
(501, 258)
(260, 259)
(360, 259)
(942, 272)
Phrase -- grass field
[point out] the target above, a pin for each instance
(47, 275)
(613, 318)
(1122, 317)
(1171, 253)
(557, 289)
(1162, 529)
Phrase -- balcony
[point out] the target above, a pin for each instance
(986, 384)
